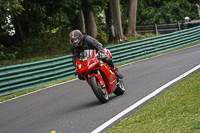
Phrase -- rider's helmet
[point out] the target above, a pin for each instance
(75, 38)
(187, 19)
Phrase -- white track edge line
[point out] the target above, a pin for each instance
(154, 93)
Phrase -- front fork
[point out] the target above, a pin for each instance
(98, 76)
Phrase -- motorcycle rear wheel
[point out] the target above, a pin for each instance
(100, 93)
(120, 87)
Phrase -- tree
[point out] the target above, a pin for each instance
(79, 22)
(90, 24)
(85, 20)
(116, 32)
(90, 9)
(131, 24)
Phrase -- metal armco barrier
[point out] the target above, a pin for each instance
(25, 76)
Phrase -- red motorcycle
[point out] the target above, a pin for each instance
(99, 75)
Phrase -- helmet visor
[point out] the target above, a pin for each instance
(75, 41)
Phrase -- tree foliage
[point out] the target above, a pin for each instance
(39, 27)
(10, 7)
(159, 11)
(8, 10)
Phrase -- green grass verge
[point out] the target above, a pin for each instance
(4, 63)
(175, 110)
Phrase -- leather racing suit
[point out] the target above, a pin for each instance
(90, 43)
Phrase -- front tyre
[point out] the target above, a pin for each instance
(101, 93)
(120, 87)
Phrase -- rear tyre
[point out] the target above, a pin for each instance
(100, 93)
(120, 87)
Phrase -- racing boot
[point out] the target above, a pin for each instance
(117, 73)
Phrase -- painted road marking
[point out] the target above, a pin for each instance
(154, 93)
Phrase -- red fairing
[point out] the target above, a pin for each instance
(111, 80)
(87, 65)
(102, 71)
(107, 52)
(99, 78)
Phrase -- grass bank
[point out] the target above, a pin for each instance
(175, 110)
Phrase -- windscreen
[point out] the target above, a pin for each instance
(85, 54)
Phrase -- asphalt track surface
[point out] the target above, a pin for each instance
(73, 108)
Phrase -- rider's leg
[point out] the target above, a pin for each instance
(111, 64)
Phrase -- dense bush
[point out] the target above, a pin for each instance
(48, 43)
(6, 55)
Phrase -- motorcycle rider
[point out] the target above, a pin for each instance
(81, 42)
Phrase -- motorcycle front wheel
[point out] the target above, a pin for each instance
(100, 93)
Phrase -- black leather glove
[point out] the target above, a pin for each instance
(102, 55)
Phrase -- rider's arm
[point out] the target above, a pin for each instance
(74, 55)
(94, 43)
